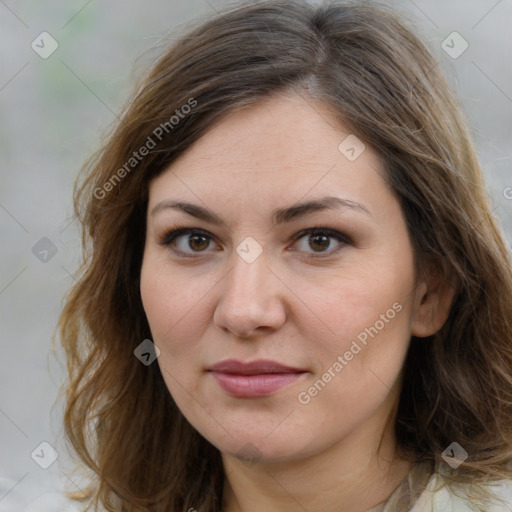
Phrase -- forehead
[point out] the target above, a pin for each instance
(286, 143)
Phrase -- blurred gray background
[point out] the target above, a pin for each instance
(54, 109)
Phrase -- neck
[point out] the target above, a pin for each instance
(351, 476)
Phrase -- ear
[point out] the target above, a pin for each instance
(433, 300)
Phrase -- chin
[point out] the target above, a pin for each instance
(261, 448)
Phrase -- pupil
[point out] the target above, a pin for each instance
(199, 246)
(321, 241)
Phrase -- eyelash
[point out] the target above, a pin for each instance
(170, 235)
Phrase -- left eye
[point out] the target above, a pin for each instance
(320, 240)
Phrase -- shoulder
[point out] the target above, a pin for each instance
(52, 501)
(438, 497)
(43, 494)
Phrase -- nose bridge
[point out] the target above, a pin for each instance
(250, 297)
(248, 276)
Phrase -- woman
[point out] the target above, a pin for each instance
(295, 296)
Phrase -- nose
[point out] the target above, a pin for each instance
(251, 299)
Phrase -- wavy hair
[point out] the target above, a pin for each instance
(381, 81)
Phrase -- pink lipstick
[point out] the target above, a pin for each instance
(253, 379)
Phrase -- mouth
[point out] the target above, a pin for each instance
(254, 379)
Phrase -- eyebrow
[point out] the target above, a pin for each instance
(279, 216)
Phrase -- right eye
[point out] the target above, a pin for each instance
(187, 241)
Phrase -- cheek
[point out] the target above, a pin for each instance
(175, 307)
(357, 368)
(347, 303)
(364, 317)
(174, 313)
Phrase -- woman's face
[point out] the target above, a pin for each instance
(325, 314)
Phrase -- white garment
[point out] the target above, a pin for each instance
(445, 500)
(53, 502)
(432, 499)
(426, 490)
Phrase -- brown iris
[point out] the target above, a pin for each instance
(319, 242)
(198, 242)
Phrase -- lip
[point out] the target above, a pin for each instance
(255, 378)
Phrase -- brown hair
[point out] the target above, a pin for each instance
(382, 82)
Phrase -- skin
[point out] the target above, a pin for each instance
(293, 304)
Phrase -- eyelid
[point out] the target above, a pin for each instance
(170, 234)
(325, 231)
